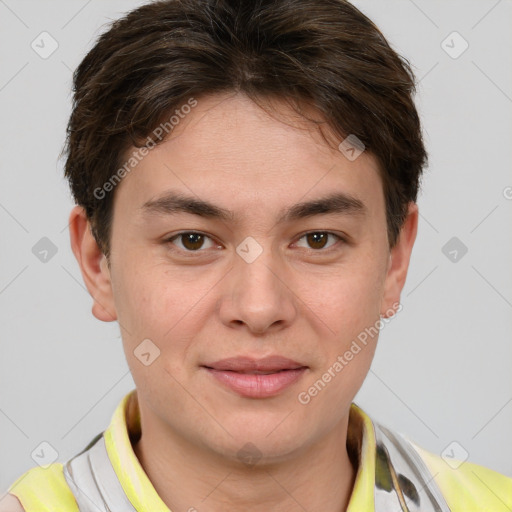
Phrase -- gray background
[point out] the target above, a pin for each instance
(442, 371)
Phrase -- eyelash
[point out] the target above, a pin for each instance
(170, 240)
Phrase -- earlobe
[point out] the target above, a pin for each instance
(398, 264)
(93, 265)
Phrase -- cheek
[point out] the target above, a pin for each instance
(155, 319)
(143, 293)
(162, 308)
(349, 297)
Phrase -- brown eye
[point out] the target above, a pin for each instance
(190, 241)
(318, 239)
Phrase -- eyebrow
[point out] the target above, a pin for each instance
(171, 203)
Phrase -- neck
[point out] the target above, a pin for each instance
(188, 477)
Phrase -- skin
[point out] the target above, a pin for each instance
(10, 503)
(297, 299)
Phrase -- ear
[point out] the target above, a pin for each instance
(93, 265)
(398, 265)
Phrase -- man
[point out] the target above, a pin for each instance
(246, 176)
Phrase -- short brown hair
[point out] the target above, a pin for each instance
(325, 53)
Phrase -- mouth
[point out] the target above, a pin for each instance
(266, 365)
(253, 378)
(255, 372)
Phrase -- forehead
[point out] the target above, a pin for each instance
(230, 152)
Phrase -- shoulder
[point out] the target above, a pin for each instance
(10, 503)
(467, 486)
(455, 485)
(41, 490)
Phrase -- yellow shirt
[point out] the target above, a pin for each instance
(383, 477)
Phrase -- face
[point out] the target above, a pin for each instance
(251, 275)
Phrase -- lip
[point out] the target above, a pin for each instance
(237, 373)
(244, 364)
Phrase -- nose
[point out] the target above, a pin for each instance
(258, 291)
